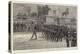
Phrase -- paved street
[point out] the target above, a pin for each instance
(21, 41)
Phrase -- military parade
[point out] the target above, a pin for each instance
(52, 32)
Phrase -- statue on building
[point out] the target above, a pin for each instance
(66, 12)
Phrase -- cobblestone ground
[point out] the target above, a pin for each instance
(21, 41)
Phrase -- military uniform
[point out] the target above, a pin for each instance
(34, 27)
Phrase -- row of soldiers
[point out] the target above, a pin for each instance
(19, 27)
(57, 33)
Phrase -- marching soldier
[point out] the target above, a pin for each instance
(67, 36)
(74, 40)
(34, 31)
